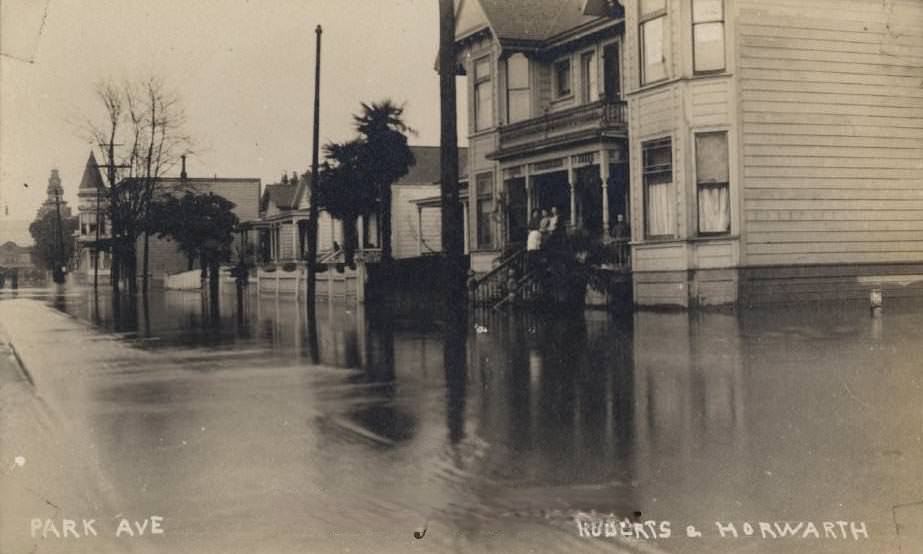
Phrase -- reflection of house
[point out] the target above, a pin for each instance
(762, 150)
(164, 258)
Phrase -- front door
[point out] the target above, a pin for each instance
(552, 190)
(517, 216)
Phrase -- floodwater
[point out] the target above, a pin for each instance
(243, 437)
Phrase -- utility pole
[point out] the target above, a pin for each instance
(312, 210)
(57, 271)
(452, 224)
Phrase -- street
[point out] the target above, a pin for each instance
(220, 432)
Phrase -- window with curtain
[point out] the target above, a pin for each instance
(712, 177)
(517, 88)
(588, 80)
(562, 79)
(485, 209)
(657, 174)
(483, 95)
(708, 35)
(653, 17)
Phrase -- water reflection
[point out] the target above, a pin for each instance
(674, 415)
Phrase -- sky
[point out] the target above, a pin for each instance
(244, 70)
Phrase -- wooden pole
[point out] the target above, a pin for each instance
(312, 210)
(452, 225)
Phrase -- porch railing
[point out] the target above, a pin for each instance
(602, 114)
(494, 285)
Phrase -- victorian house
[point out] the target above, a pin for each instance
(760, 150)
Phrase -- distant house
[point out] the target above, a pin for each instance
(164, 258)
(13, 256)
(284, 213)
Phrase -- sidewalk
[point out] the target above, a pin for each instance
(48, 464)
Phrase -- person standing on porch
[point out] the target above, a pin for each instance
(533, 248)
(536, 220)
(555, 230)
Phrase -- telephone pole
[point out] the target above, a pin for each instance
(312, 209)
(452, 224)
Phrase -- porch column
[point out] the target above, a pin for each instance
(419, 230)
(572, 184)
(465, 226)
(604, 178)
(529, 202)
(272, 243)
(295, 240)
(360, 229)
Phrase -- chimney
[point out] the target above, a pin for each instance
(182, 173)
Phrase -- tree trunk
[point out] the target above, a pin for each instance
(385, 213)
(145, 264)
(131, 261)
(203, 270)
(350, 240)
(214, 274)
(190, 261)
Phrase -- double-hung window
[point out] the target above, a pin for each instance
(562, 79)
(517, 88)
(589, 81)
(653, 31)
(708, 35)
(483, 95)
(712, 176)
(485, 209)
(657, 173)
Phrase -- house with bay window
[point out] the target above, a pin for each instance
(761, 150)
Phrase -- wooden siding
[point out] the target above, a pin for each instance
(404, 221)
(832, 118)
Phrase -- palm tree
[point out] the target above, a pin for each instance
(345, 191)
(385, 158)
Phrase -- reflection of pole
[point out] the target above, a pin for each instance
(312, 210)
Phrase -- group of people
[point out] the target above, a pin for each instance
(546, 230)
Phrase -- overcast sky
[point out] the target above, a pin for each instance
(244, 69)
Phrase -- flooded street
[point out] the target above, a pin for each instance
(243, 438)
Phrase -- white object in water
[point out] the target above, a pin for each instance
(875, 298)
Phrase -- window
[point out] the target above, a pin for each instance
(711, 175)
(562, 79)
(611, 77)
(483, 95)
(517, 88)
(708, 35)
(659, 218)
(653, 16)
(485, 208)
(588, 79)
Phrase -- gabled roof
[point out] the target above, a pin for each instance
(91, 179)
(428, 167)
(533, 20)
(280, 194)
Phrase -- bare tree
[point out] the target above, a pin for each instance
(142, 140)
